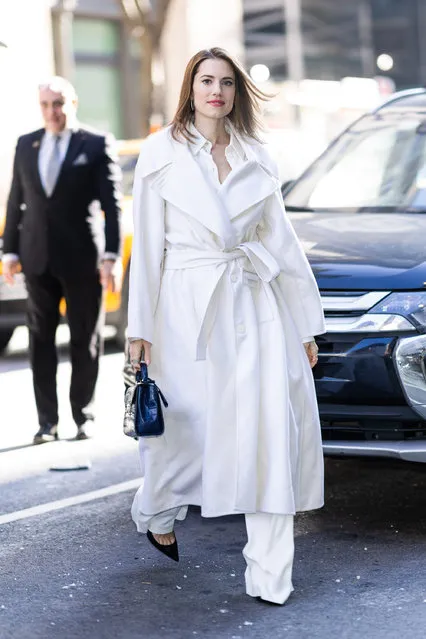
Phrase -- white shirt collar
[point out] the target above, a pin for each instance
(65, 134)
(200, 142)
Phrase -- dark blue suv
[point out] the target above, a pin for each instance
(360, 212)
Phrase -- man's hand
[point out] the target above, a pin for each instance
(139, 348)
(10, 268)
(311, 349)
(111, 272)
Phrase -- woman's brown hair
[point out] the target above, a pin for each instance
(245, 112)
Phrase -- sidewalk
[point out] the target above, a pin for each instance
(18, 422)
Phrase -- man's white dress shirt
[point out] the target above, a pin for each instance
(47, 148)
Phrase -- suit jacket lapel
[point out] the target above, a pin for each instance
(74, 147)
(34, 156)
(76, 141)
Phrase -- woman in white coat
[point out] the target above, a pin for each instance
(223, 306)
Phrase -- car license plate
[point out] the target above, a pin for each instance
(15, 292)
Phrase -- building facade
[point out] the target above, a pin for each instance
(95, 50)
(399, 31)
(340, 39)
(193, 25)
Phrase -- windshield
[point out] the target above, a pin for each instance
(378, 165)
(127, 164)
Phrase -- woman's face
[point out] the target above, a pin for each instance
(213, 89)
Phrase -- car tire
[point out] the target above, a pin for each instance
(5, 337)
(121, 326)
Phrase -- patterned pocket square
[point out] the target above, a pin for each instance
(81, 159)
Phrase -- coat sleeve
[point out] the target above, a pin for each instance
(147, 256)
(296, 280)
(14, 208)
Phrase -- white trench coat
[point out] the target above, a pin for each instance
(219, 284)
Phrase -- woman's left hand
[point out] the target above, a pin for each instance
(311, 349)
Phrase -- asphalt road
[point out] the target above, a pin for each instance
(81, 570)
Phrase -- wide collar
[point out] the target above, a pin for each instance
(175, 174)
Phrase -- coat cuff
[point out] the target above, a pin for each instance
(306, 340)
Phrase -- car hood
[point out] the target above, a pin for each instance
(364, 251)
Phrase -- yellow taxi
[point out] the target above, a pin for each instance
(13, 298)
(116, 303)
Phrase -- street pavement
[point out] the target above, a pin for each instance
(74, 566)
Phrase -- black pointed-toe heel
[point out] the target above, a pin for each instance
(170, 550)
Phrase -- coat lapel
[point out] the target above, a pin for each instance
(246, 186)
(184, 185)
(175, 174)
(253, 181)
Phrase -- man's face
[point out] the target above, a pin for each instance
(57, 109)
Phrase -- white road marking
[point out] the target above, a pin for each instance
(70, 501)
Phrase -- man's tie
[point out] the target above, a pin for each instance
(53, 167)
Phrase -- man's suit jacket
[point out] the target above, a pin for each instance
(64, 232)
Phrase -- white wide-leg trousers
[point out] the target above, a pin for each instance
(161, 523)
(268, 553)
(269, 556)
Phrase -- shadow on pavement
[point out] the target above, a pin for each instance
(31, 445)
(10, 448)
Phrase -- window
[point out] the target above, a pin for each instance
(96, 45)
(378, 165)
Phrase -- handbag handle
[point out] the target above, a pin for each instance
(142, 375)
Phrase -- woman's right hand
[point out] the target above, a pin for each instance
(139, 348)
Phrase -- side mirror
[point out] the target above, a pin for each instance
(286, 186)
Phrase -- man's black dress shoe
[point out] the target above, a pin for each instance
(83, 431)
(170, 550)
(46, 433)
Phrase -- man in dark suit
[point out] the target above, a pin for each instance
(63, 176)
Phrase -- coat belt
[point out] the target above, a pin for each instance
(263, 263)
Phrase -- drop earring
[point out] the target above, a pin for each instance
(191, 104)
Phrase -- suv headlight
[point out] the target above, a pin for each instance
(410, 356)
(412, 306)
(410, 352)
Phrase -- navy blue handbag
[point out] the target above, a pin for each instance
(143, 414)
